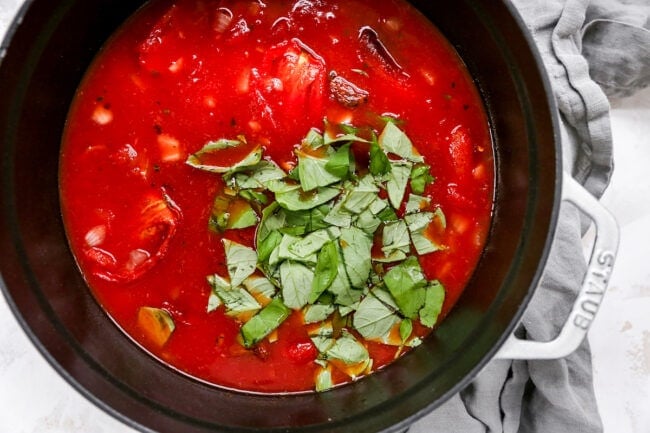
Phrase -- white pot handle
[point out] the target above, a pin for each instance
(593, 288)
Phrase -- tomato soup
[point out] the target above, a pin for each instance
(277, 196)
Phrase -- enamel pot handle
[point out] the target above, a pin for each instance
(593, 287)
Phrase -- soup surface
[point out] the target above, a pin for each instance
(277, 196)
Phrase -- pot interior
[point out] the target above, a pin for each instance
(45, 61)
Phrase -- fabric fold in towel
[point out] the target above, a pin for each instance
(591, 50)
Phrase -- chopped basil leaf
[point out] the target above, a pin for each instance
(202, 158)
(266, 246)
(238, 301)
(264, 322)
(348, 350)
(329, 139)
(362, 195)
(313, 242)
(395, 237)
(317, 312)
(368, 222)
(259, 175)
(313, 173)
(296, 281)
(395, 256)
(397, 181)
(339, 163)
(434, 298)
(309, 220)
(405, 329)
(406, 283)
(393, 140)
(253, 196)
(327, 268)
(375, 318)
(420, 178)
(273, 219)
(379, 162)
(377, 206)
(261, 288)
(242, 217)
(294, 174)
(418, 223)
(417, 203)
(282, 186)
(387, 215)
(285, 251)
(241, 261)
(339, 216)
(322, 337)
(314, 139)
(297, 199)
(341, 288)
(324, 380)
(344, 310)
(356, 248)
(217, 282)
(231, 213)
(214, 302)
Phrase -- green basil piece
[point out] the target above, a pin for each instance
(406, 283)
(405, 329)
(240, 260)
(339, 163)
(375, 318)
(317, 312)
(313, 139)
(260, 287)
(324, 380)
(338, 215)
(379, 162)
(361, 196)
(393, 140)
(395, 237)
(418, 224)
(313, 242)
(214, 302)
(421, 178)
(356, 249)
(297, 199)
(264, 322)
(297, 281)
(367, 222)
(327, 268)
(397, 182)
(387, 215)
(434, 299)
(285, 251)
(200, 160)
(417, 203)
(259, 175)
(313, 172)
(237, 301)
(348, 350)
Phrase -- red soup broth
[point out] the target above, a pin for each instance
(181, 73)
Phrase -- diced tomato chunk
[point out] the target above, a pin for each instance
(461, 151)
(302, 352)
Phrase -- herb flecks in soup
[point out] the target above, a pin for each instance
(277, 196)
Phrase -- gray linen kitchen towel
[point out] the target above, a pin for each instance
(590, 50)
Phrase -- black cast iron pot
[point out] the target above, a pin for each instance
(48, 50)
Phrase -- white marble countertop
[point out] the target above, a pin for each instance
(34, 398)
